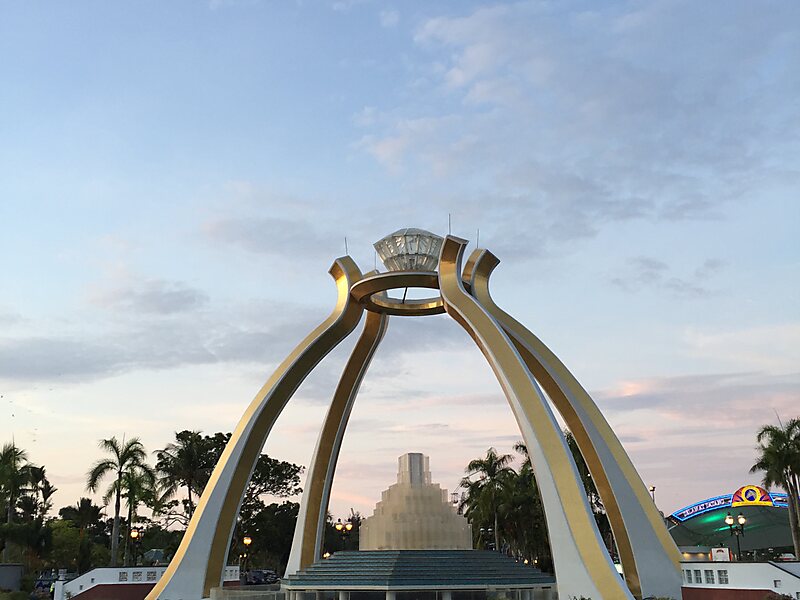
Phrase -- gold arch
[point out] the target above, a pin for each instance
(520, 362)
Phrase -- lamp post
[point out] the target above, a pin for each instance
(246, 540)
(136, 538)
(737, 530)
(652, 490)
(344, 530)
(488, 544)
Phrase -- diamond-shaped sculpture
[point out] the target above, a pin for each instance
(410, 249)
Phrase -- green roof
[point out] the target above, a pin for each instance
(766, 527)
(418, 569)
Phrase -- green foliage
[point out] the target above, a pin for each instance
(14, 595)
(127, 459)
(25, 496)
(779, 460)
(509, 502)
(187, 464)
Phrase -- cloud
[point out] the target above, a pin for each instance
(152, 341)
(272, 236)
(773, 348)
(644, 272)
(389, 18)
(673, 403)
(713, 418)
(154, 296)
(8, 319)
(573, 119)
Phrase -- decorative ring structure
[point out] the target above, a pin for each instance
(520, 362)
(368, 293)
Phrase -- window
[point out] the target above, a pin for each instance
(137, 575)
(688, 576)
(123, 576)
(710, 576)
(722, 575)
(698, 576)
(151, 576)
(776, 583)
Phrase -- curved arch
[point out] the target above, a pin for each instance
(642, 539)
(199, 562)
(310, 529)
(583, 566)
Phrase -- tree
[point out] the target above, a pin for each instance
(185, 463)
(483, 494)
(87, 519)
(138, 484)
(14, 475)
(779, 459)
(188, 464)
(35, 499)
(124, 456)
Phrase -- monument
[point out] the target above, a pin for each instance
(521, 363)
(414, 514)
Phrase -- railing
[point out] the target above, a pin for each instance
(120, 576)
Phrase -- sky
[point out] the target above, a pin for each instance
(176, 179)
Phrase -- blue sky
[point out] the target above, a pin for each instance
(176, 178)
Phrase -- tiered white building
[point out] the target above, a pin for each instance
(414, 514)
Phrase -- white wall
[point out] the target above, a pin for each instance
(120, 576)
(745, 576)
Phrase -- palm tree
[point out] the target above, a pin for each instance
(40, 490)
(185, 463)
(483, 494)
(124, 456)
(85, 515)
(14, 475)
(779, 459)
(138, 483)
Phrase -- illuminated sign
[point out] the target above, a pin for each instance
(751, 495)
(748, 495)
(701, 507)
(781, 500)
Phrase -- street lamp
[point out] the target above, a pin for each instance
(652, 490)
(737, 530)
(136, 537)
(246, 540)
(344, 530)
(487, 543)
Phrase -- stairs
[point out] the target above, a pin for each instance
(418, 569)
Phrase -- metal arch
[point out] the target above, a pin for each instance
(583, 566)
(642, 539)
(199, 562)
(310, 529)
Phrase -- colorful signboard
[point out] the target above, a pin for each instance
(751, 495)
(748, 495)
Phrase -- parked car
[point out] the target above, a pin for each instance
(263, 577)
